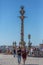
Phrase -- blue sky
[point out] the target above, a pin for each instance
(10, 23)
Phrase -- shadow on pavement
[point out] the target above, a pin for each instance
(31, 64)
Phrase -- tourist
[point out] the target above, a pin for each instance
(24, 54)
(14, 51)
(31, 52)
(19, 55)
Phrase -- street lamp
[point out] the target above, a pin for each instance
(14, 44)
(29, 43)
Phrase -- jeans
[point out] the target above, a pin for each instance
(19, 59)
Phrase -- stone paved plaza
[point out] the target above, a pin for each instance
(10, 60)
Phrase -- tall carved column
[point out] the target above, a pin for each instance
(22, 12)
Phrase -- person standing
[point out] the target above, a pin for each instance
(14, 51)
(24, 54)
(31, 52)
(19, 55)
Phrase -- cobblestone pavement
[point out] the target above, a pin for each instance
(10, 60)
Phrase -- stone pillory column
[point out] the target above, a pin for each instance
(22, 12)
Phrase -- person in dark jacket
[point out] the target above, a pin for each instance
(14, 51)
(19, 55)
